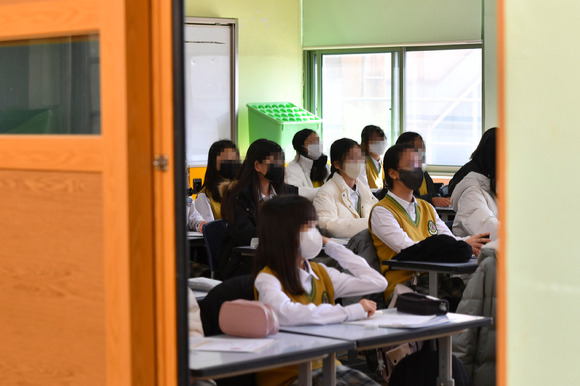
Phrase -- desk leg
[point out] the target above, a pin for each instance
(329, 370)
(305, 374)
(433, 283)
(445, 376)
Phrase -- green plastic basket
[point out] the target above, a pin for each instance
(279, 121)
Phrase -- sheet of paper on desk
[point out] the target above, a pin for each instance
(192, 234)
(391, 318)
(231, 344)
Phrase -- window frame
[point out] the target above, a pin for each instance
(313, 82)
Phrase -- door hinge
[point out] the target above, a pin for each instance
(161, 162)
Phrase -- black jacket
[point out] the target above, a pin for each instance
(240, 233)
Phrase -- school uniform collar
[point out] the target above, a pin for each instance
(408, 206)
(307, 272)
(263, 197)
(348, 194)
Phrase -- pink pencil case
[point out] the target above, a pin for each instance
(249, 319)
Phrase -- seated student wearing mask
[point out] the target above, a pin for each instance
(309, 169)
(223, 161)
(260, 178)
(427, 189)
(344, 202)
(373, 144)
(399, 220)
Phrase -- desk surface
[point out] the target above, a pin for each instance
(467, 267)
(365, 337)
(287, 349)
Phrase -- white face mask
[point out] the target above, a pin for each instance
(353, 169)
(314, 152)
(310, 243)
(378, 147)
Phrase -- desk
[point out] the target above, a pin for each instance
(365, 338)
(434, 269)
(289, 349)
(446, 213)
(195, 239)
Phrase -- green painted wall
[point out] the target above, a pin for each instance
(269, 51)
(348, 22)
(542, 89)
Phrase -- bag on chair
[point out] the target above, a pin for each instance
(247, 318)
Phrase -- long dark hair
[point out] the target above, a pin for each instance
(482, 161)
(278, 230)
(484, 157)
(391, 161)
(318, 171)
(247, 176)
(338, 152)
(212, 177)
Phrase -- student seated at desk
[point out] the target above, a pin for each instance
(400, 220)
(309, 169)
(304, 292)
(427, 189)
(223, 161)
(373, 144)
(344, 202)
(260, 178)
(474, 197)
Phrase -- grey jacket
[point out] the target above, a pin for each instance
(476, 347)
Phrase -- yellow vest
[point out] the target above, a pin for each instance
(425, 225)
(374, 176)
(423, 188)
(322, 292)
(216, 207)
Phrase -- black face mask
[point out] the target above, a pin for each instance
(228, 169)
(275, 174)
(412, 179)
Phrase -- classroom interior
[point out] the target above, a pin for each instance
(529, 92)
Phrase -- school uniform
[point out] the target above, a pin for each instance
(207, 206)
(194, 218)
(297, 173)
(396, 224)
(373, 174)
(316, 305)
(240, 232)
(342, 211)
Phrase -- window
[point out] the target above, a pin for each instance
(50, 86)
(440, 96)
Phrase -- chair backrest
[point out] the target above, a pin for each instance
(238, 287)
(213, 233)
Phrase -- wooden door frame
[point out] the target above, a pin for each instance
(139, 205)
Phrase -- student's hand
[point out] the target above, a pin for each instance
(477, 242)
(200, 226)
(441, 201)
(369, 306)
(325, 240)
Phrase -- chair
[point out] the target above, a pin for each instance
(239, 287)
(213, 233)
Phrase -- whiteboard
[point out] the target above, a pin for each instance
(210, 87)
